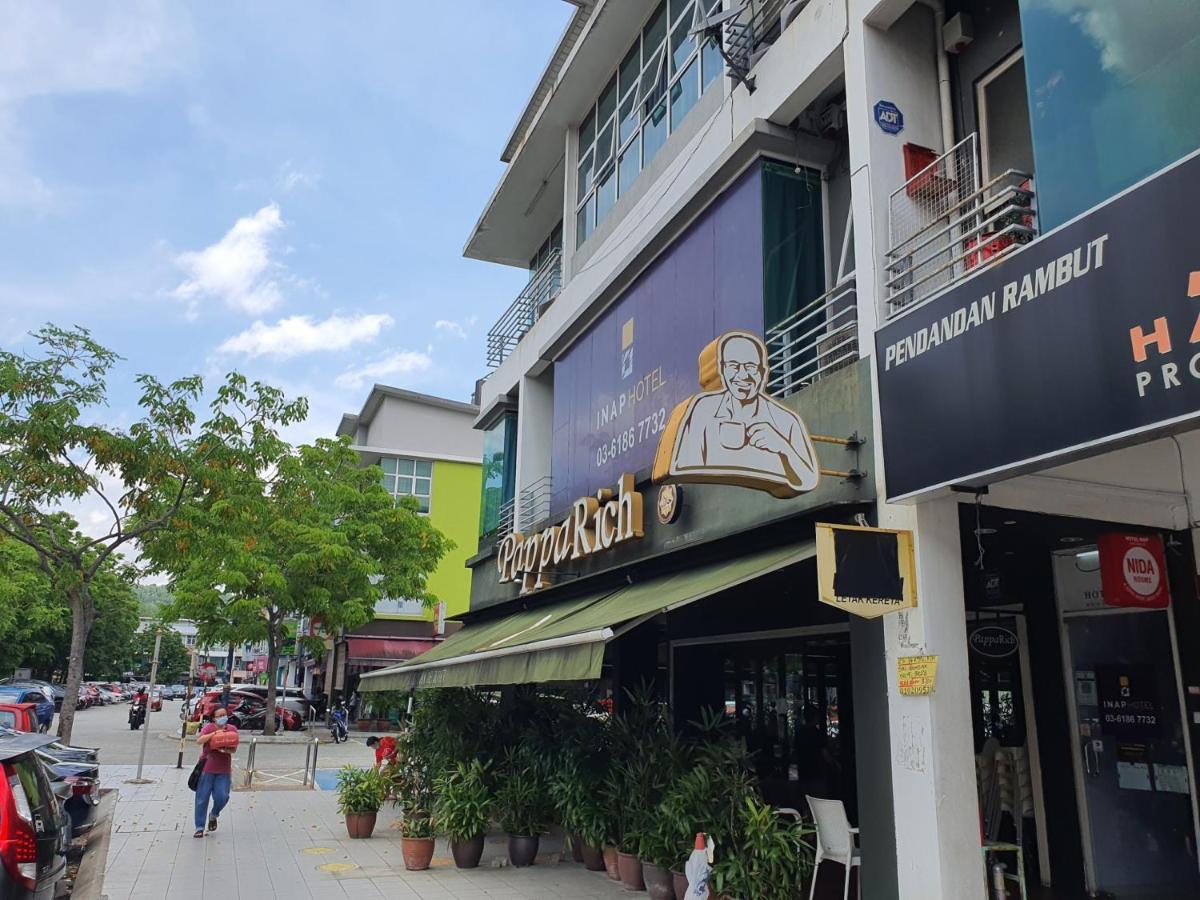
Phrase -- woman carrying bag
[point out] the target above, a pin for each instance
(213, 774)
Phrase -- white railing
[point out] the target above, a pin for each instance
(815, 341)
(533, 300)
(535, 501)
(943, 224)
(508, 511)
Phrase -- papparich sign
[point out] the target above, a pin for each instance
(1086, 337)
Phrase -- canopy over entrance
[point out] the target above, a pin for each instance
(565, 641)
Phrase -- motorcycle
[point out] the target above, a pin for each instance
(137, 716)
(339, 730)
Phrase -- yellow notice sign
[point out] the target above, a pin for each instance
(916, 675)
(866, 572)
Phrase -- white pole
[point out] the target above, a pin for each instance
(149, 700)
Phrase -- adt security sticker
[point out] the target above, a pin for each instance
(889, 117)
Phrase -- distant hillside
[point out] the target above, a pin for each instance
(150, 598)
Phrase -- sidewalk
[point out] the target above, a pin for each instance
(293, 845)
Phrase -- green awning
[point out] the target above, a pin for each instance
(565, 641)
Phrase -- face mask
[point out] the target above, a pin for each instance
(221, 720)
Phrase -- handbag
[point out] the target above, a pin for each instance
(197, 771)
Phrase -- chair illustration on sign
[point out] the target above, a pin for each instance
(836, 841)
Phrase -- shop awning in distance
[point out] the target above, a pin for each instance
(565, 641)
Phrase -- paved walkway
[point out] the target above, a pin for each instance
(293, 845)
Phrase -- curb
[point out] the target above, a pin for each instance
(89, 880)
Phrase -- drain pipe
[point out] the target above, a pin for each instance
(943, 73)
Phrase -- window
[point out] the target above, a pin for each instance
(1003, 107)
(405, 477)
(499, 471)
(659, 80)
(552, 243)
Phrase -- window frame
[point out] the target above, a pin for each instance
(391, 481)
(649, 91)
(981, 113)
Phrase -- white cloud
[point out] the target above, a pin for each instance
(290, 178)
(1132, 38)
(455, 329)
(238, 268)
(403, 362)
(297, 335)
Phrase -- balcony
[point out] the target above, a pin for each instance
(533, 300)
(535, 501)
(815, 341)
(943, 224)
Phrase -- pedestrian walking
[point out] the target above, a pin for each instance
(218, 740)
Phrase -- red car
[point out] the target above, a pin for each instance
(19, 716)
(246, 711)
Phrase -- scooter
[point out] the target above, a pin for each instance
(137, 716)
(338, 728)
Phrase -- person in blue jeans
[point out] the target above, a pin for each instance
(216, 776)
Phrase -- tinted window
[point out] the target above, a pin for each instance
(8, 719)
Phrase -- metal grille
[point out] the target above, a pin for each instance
(943, 224)
(537, 295)
(508, 511)
(815, 341)
(753, 30)
(535, 501)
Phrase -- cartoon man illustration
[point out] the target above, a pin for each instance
(734, 432)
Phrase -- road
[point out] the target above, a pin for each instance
(107, 727)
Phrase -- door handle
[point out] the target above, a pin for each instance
(1089, 753)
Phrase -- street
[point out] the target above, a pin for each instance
(107, 727)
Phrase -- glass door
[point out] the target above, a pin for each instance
(1131, 765)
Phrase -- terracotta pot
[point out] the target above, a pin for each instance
(630, 868)
(610, 863)
(360, 824)
(576, 848)
(417, 853)
(522, 849)
(658, 882)
(593, 858)
(680, 885)
(467, 853)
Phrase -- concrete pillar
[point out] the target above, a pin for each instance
(535, 429)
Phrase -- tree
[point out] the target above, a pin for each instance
(174, 660)
(312, 535)
(55, 450)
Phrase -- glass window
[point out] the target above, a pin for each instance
(406, 477)
(499, 471)
(711, 63)
(655, 31)
(684, 94)
(793, 242)
(630, 165)
(606, 194)
(1114, 96)
(607, 103)
(683, 44)
(1004, 120)
(654, 133)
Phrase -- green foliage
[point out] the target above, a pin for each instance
(174, 660)
(764, 858)
(291, 533)
(411, 785)
(463, 808)
(152, 599)
(523, 797)
(360, 790)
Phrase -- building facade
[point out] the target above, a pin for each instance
(918, 265)
(426, 448)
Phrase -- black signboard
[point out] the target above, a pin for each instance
(1129, 703)
(1085, 338)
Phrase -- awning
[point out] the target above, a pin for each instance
(385, 650)
(565, 641)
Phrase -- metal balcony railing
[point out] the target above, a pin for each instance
(535, 501)
(815, 341)
(537, 295)
(508, 511)
(944, 224)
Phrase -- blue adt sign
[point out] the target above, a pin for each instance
(889, 117)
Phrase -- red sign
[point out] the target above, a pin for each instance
(207, 671)
(1133, 570)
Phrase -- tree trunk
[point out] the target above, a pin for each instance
(82, 615)
(272, 665)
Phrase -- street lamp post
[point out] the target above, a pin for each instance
(149, 701)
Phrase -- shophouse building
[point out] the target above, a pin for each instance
(961, 232)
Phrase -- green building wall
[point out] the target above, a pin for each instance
(454, 511)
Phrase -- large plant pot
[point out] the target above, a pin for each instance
(610, 863)
(360, 824)
(658, 882)
(417, 853)
(522, 849)
(630, 868)
(576, 847)
(467, 853)
(593, 858)
(680, 884)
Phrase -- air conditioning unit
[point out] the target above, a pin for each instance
(832, 119)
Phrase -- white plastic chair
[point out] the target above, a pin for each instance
(836, 841)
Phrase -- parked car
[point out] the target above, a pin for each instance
(61, 751)
(15, 693)
(77, 786)
(156, 701)
(19, 717)
(251, 713)
(292, 698)
(57, 690)
(33, 825)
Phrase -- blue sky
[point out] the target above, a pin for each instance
(280, 188)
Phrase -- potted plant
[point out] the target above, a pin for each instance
(413, 795)
(360, 794)
(766, 858)
(524, 808)
(463, 809)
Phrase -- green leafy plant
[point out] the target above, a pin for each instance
(463, 808)
(360, 790)
(767, 857)
(523, 798)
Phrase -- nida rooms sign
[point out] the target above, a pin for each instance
(595, 524)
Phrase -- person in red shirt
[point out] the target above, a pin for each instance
(385, 750)
(217, 775)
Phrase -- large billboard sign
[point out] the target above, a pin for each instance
(615, 388)
(1080, 341)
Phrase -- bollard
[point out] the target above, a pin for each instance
(316, 745)
(307, 760)
(250, 762)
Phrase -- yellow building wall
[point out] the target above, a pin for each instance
(454, 511)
